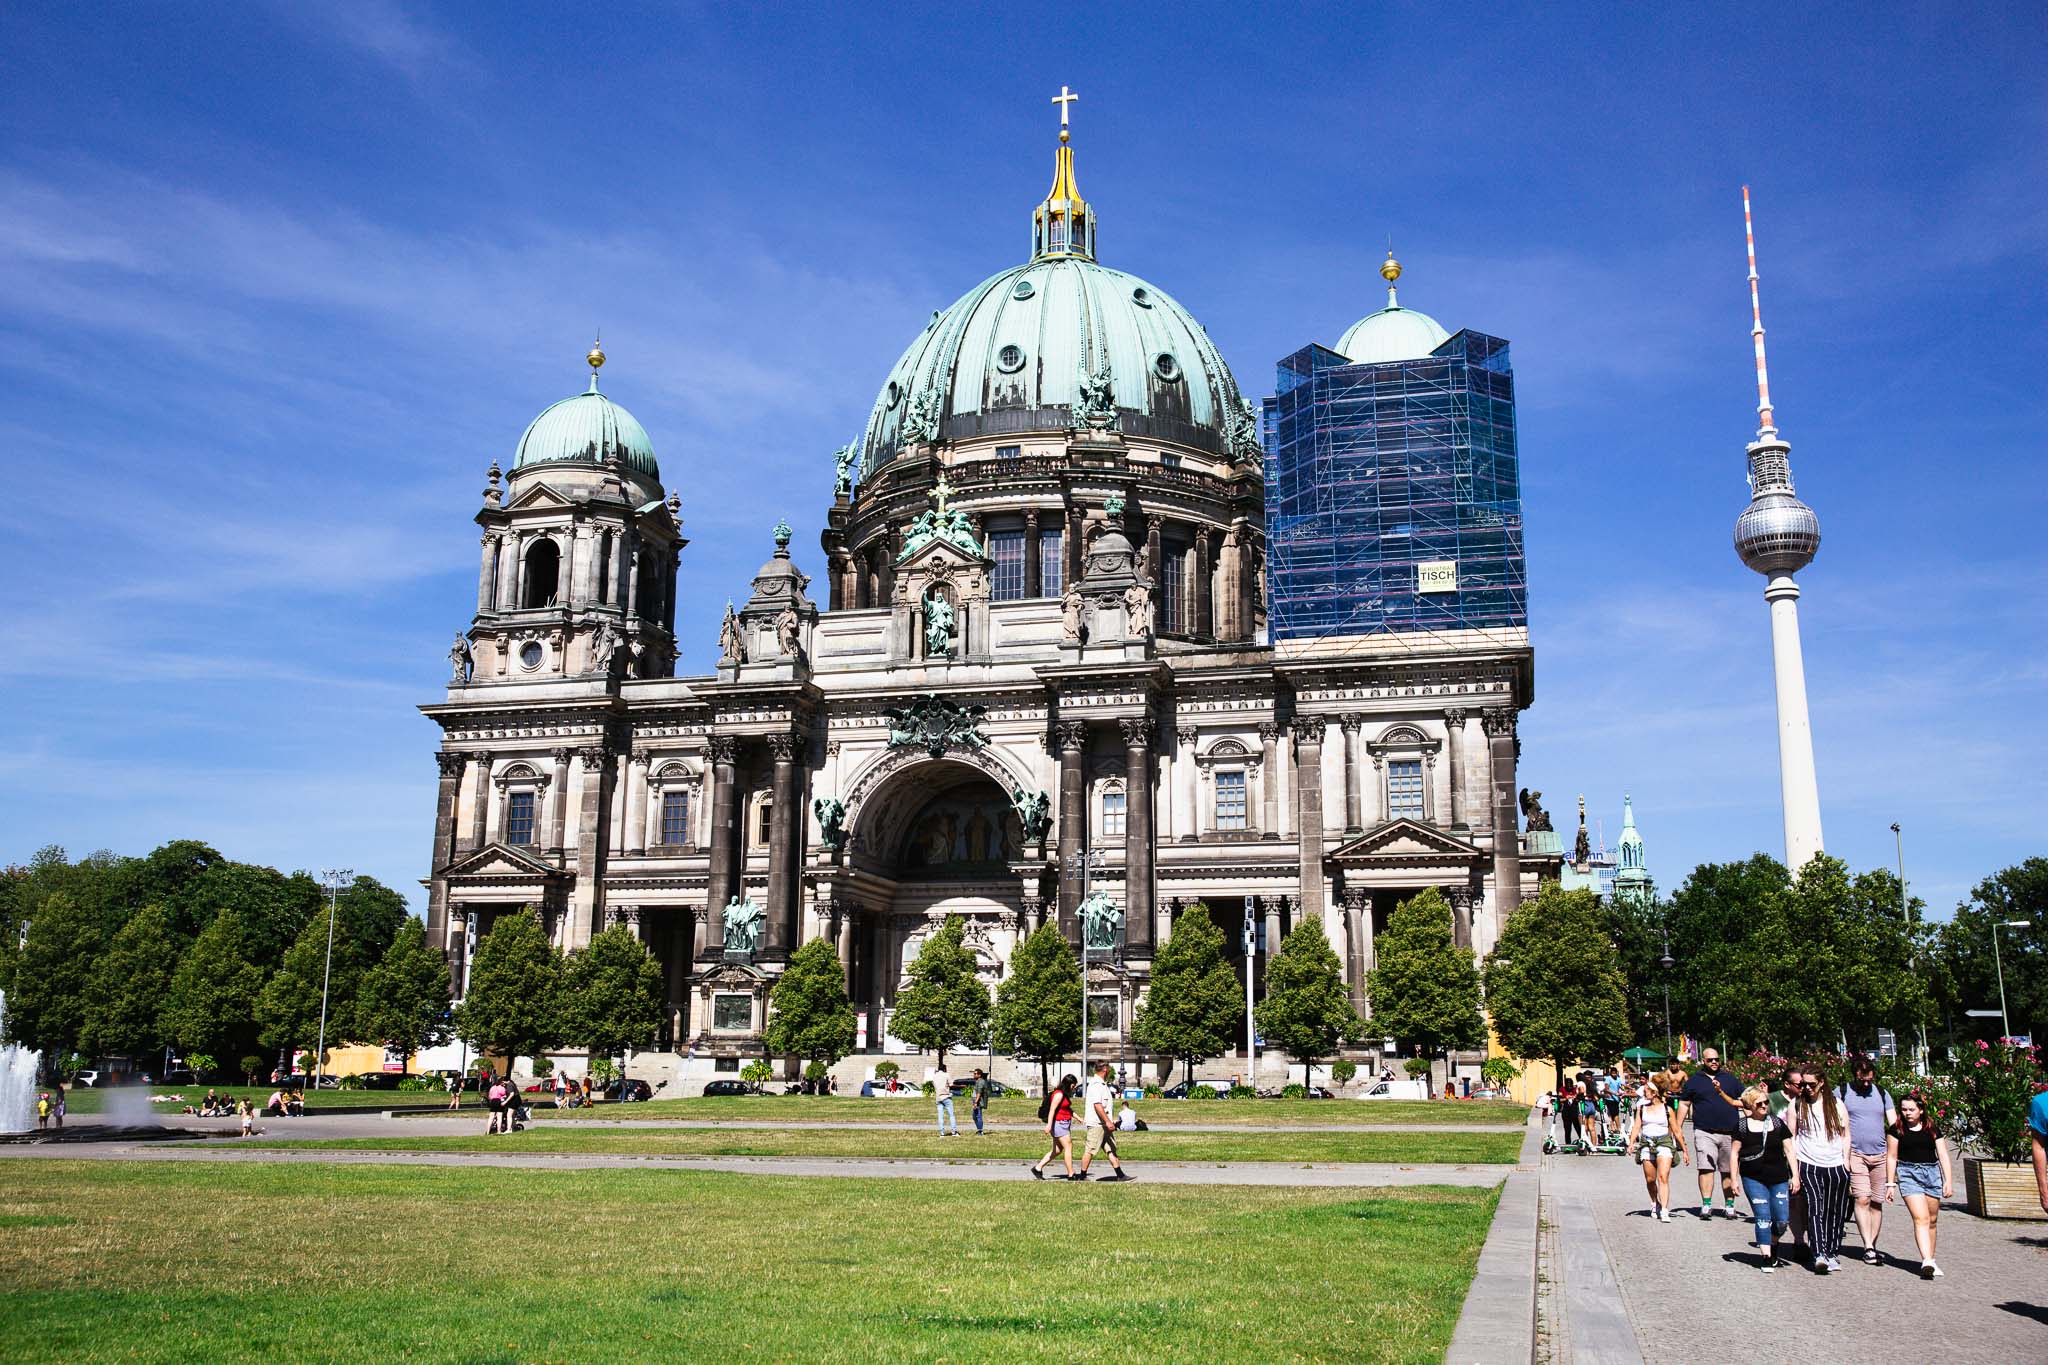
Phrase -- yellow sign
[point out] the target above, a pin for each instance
(1437, 575)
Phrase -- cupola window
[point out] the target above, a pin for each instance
(1166, 367)
(1022, 290)
(543, 574)
(1010, 359)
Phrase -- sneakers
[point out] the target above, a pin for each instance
(1771, 1266)
(1112, 1176)
(1834, 1263)
(1820, 1267)
(1728, 1211)
(1933, 1271)
(1036, 1174)
(1664, 1214)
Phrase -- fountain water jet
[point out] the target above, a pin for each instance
(19, 1067)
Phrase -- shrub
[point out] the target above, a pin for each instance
(1293, 1092)
(1987, 1098)
(815, 1071)
(417, 1084)
(1417, 1068)
(1498, 1070)
(1153, 1092)
(251, 1067)
(884, 1070)
(929, 1089)
(1244, 1092)
(1340, 1072)
(1202, 1092)
(757, 1072)
(351, 1083)
(543, 1067)
(603, 1071)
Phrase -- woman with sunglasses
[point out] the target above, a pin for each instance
(1917, 1167)
(1656, 1143)
(1820, 1131)
(1766, 1173)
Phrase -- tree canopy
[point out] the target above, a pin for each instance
(1038, 1002)
(1424, 988)
(1554, 986)
(288, 1008)
(514, 1004)
(402, 1001)
(1195, 1007)
(945, 1005)
(810, 1015)
(129, 985)
(1306, 1011)
(46, 1000)
(613, 997)
(212, 1005)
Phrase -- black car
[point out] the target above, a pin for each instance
(712, 1088)
(628, 1091)
(996, 1089)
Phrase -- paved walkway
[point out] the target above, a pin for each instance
(1622, 1288)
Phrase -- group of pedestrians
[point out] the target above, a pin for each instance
(1098, 1106)
(1809, 1156)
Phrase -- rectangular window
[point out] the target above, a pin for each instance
(732, 1013)
(675, 817)
(519, 819)
(1113, 812)
(1173, 587)
(1404, 789)
(766, 823)
(1006, 548)
(1052, 562)
(1230, 799)
(725, 1064)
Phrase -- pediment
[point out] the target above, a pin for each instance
(539, 495)
(501, 860)
(941, 551)
(1404, 840)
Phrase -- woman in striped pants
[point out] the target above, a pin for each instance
(1820, 1132)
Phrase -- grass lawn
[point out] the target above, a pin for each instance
(81, 1100)
(1159, 1113)
(215, 1261)
(1405, 1148)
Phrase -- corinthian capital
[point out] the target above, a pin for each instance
(1137, 731)
(593, 756)
(1499, 721)
(782, 748)
(1072, 736)
(723, 749)
(1454, 716)
(1308, 729)
(449, 764)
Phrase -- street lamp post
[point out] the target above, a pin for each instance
(1906, 918)
(1251, 953)
(2004, 1021)
(1085, 863)
(333, 877)
(1665, 963)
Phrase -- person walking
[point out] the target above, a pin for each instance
(1820, 1132)
(1871, 1117)
(57, 1112)
(942, 1092)
(978, 1102)
(561, 1091)
(2037, 1135)
(455, 1091)
(248, 1115)
(1709, 1096)
(1099, 1105)
(1656, 1146)
(1056, 1112)
(1918, 1169)
(1765, 1171)
(1568, 1110)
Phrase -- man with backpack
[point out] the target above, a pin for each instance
(1871, 1114)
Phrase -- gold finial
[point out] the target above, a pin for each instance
(596, 356)
(1390, 269)
(1063, 99)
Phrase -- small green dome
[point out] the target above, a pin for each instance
(587, 429)
(1393, 333)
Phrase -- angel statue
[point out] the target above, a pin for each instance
(732, 641)
(831, 813)
(1034, 812)
(1535, 819)
(842, 466)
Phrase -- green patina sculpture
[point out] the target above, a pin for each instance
(1114, 506)
(941, 522)
(1245, 446)
(783, 533)
(1097, 404)
(1034, 812)
(938, 628)
(1100, 920)
(842, 466)
(743, 926)
(935, 724)
(831, 813)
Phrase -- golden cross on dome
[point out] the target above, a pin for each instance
(1063, 99)
(941, 491)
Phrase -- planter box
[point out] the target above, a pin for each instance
(2000, 1189)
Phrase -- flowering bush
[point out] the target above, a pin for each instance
(1989, 1095)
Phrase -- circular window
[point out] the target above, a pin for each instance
(893, 394)
(1022, 290)
(1010, 359)
(1167, 367)
(531, 654)
(1142, 297)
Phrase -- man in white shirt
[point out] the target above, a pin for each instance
(942, 1091)
(1099, 1101)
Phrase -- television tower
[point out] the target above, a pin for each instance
(1778, 535)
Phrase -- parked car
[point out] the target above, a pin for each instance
(1396, 1090)
(712, 1088)
(180, 1076)
(1180, 1092)
(996, 1089)
(629, 1091)
(377, 1080)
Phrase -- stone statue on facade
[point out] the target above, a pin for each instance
(1536, 820)
(1245, 446)
(831, 813)
(842, 470)
(1096, 405)
(463, 661)
(1582, 847)
(1100, 919)
(604, 650)
(732, 641)
(1034, 813)
(921, 424)
(743, 925)
(1138, 608)
(935, 724)
(787, 634)
(938, 628)
(1070, 616)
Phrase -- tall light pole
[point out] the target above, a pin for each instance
(1251, 954)
(1084, 863)
(333, 877)
(1665, 963)
(2004, 1022)
(1906, 918)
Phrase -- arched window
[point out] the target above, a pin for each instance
(1405, 759)
(1113, 810)
(543, 574)
(521, 789)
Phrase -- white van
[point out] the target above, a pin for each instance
(1397, 1090)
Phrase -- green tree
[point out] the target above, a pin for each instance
(1306, 1012)
(288, 1008)
(810, 1016)
(402, 1002)
(1554, 984)
(1425, 988)
(1194, 1008)
(212, 1005)
(46, 1001)
(1968, 969)
(945, 1005)
(514, 1005)
(614, 998)
(274, 909)
(1038, 1003)
(130, 982)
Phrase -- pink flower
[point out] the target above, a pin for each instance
(1982, 1062)
(1982, 1045)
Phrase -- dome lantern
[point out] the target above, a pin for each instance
(587, 428)
(1063, 224)
(1394, 332)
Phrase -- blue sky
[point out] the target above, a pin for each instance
(278, 283)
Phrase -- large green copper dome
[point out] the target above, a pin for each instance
(586, 429)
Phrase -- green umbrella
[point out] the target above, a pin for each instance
(1643, 1054)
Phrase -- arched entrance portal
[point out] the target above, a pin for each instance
(933, 838)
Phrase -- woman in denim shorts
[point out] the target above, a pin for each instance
(1917, 1168)
(1657, 1145)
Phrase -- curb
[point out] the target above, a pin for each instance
(1498, 1324)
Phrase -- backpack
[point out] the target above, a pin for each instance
(1045, 1105)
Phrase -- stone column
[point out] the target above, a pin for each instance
(1033, 584)
(1073, 745)
(1189, 819)
(1308, 777)
(480, 807)
(636, 802)
(486, 597)
(587, 900)
(1138, 843)
(1357, 931)
(1499, 722)
(1454, 755)
(1271, 909)
(508, 571)
(1269, 799)
(1350, 723)
(1075, 544)
(558, 804)
(1205, 588)
(449, 793)
(785, 878)
(1460, 898)
(1165, 817)
(722, 880)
